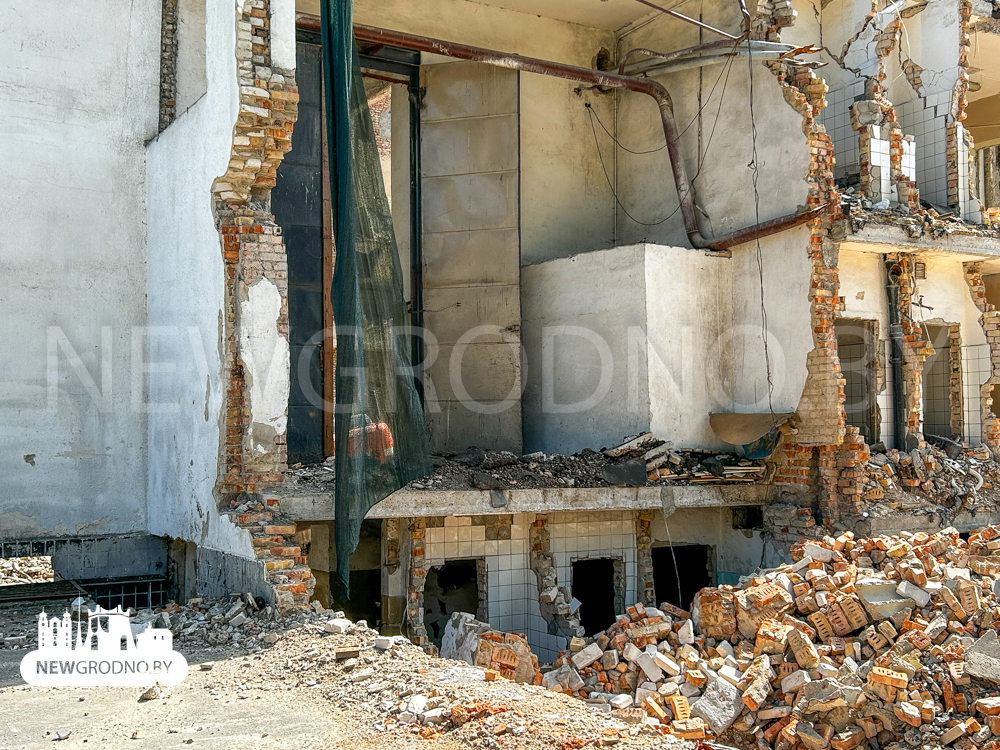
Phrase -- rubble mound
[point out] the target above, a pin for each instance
(20, 570)
(886, 642)
(639, 460)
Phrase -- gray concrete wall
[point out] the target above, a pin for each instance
(716, 144)
(470, 192)
(586, 379)
(79, 99)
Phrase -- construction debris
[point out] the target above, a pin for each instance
(954, 477)
(639, 460)
(890, 640)
(21, 570)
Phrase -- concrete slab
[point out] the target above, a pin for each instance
(306, 506)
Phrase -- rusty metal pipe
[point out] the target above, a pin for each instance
(685, 190)
(765, 228)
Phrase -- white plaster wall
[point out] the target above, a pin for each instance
(74, 116)
(862, 285)
(582, 387)
(190, 71)
(689, 313)
(946, 290)
(265, 360)
(186, 297)
(787, 271)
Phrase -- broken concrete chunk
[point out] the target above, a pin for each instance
(983, 658)
(587, 656)
(719, 706)
(914, 592)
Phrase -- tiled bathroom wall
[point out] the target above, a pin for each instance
(512, 591)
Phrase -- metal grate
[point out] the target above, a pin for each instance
(136, 593)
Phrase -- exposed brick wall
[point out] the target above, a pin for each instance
(644, 557)
(168, 63)
(415, 629)
(252, 250)
(990, 322)
(251, 240)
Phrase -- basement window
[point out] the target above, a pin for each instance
(594, 588)
(452, 587)
(748, 518)
(678, 583)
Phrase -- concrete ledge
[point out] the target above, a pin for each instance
(929, 522)
(883, 237)
(408, 503)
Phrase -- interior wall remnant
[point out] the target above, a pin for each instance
(415, 629)
(471, 253)
(254, 440)
(989, 321)
(644, 560)
(452, 587)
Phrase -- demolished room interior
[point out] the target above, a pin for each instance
(612, 222)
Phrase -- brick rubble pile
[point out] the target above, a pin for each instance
(21, 570)
(964, 479)
(885, 642)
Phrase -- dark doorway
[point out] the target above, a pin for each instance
(694, 575)
(856, 346)
(937, 384)
(365, 602)
(298, 205)
(452, 587)
(594, 588)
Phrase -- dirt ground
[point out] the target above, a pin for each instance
(299, 694)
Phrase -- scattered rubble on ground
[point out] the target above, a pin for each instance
(886, 642)
(639, 460)
(21, 570)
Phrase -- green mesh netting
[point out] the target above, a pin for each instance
(381, 437)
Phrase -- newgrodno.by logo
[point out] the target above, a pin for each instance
(106, 654)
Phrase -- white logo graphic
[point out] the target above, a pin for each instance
(106, 654)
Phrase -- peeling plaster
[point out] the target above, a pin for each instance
(79, 451)
(265, 358)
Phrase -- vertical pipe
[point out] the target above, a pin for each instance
(416, 238)
(893, 272)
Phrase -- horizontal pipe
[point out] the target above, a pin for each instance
(765, 228)
(685, 190)
(654, 89)
(675, 55)
(674, 66)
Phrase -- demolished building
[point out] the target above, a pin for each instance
(775, 224)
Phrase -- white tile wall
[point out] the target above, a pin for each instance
(512, 590)
(879, 146)
(926, 119)
(837, 120)
(976, 369)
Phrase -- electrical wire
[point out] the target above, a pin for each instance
(677, 571)
(755, 174)
(727, 70)
(694, 119)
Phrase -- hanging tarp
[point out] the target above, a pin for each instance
(380, 436)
